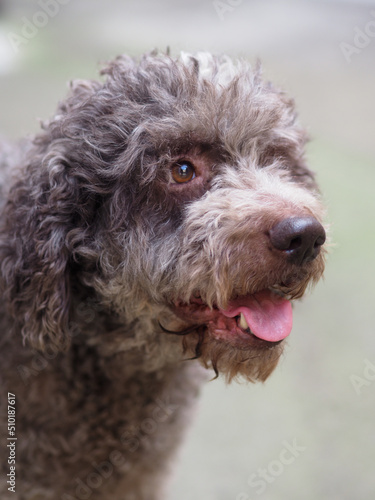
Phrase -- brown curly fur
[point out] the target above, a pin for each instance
(100, 253)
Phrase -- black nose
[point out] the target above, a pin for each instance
(299, 237)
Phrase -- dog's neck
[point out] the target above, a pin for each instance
(134, 334)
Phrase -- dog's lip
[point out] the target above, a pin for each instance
(268, 316)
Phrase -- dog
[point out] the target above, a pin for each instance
(159, 225)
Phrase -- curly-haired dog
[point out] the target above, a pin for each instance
(163, 215)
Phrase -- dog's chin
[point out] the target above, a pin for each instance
(243, 340)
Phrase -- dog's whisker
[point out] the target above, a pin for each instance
(188, 330)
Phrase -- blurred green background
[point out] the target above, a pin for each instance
(321, 399)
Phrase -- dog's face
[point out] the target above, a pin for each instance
(227, 218)
(188, 201)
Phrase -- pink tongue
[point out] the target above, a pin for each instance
(268, 315)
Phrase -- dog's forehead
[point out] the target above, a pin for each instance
(206, 99)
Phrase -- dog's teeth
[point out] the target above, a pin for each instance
(243, 323)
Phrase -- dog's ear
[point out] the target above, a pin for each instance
(45, 224)
(35, 257)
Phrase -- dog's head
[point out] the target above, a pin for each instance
(177, 186)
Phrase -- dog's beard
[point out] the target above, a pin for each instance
(232, 361)
(252, 362)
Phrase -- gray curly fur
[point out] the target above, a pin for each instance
(98, 248)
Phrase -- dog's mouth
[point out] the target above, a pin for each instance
(264, 318)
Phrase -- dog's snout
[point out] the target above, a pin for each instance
(299, 238)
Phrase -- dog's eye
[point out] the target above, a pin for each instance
(183, 172)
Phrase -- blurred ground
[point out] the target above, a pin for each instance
(321, 398)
